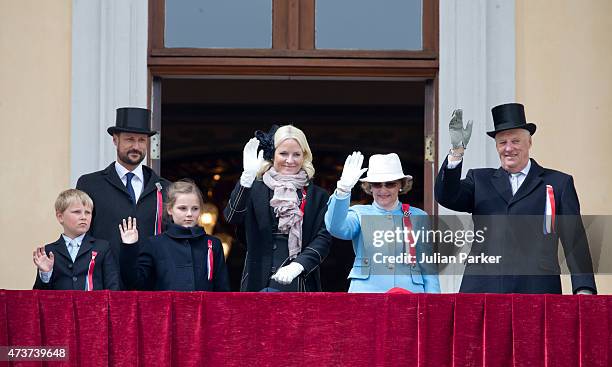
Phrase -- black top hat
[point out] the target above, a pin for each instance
(510, 116)
(132, 120)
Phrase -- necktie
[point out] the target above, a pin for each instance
(73, 249)
(514, 181)
(129, 186)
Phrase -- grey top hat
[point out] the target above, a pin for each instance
(132, 120)
(510, 116)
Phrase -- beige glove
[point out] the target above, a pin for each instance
(459, 135)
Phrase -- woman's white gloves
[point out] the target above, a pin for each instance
(251, 162)
(351, 172)
(286, 274)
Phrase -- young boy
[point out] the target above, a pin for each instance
(76, 261)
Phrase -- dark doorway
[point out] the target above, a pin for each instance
(206, 122)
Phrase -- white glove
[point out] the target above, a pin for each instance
(286, 274)
(351, 172)
(459, 136)
(584, 291)
(251, 162)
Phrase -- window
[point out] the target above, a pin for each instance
(369, 25)
(399, 29)
(218, 24)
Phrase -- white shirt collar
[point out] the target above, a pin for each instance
(79, 239)
(526, 169)
(122, 171)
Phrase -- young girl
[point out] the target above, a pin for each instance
(183, 258)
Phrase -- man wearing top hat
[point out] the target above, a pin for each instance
(525, 208)
(126, 188)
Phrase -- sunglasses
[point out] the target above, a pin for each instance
(388, 185)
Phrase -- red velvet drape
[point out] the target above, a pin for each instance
(257, 329)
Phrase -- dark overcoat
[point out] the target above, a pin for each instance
(250, 209)
(515, 229)
(176, 260)
(112, 203)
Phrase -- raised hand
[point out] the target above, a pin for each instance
(351, 172)
(251, 162)
(459, 135)
(43, 262)
(128, 230)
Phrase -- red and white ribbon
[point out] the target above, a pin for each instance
(159, 210)
(90, 272)
(408, 227)
(209, 261)
(303, 204)
(549, 214)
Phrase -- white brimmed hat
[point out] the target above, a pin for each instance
(384, 168)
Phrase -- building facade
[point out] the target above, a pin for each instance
(68, 64)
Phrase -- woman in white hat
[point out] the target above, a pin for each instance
(388, 250)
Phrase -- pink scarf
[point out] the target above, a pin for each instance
(287, 205)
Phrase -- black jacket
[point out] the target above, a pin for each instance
(68, 275)
(112, 203)
(250, 207)
(175, 260)
(515, 229)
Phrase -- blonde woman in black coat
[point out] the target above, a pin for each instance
(281, 212)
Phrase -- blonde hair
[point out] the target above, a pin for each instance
(67, 197)
(291, 132)
(183, 186)
(405, 186)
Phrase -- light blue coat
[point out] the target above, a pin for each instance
(363, 225)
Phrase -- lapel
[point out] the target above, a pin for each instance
(309, 214)
(532, 180)
(501, 183)
(110, 174)
(59, 247)
(150, 180)
(261, 202)
(86, 245)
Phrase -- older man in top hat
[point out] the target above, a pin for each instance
(126, 188)
(524, 207)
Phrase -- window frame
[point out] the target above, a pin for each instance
(293, 36)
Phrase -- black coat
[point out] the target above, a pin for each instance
(175, 260)
(515, 229)
(112, 203)
(250, 207)
(68, 275)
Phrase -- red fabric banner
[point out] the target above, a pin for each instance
(104, 328)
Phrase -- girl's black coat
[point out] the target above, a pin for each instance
(174, 260)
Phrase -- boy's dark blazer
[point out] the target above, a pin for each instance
(68, 275)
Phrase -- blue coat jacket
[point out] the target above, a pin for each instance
(371, 273)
